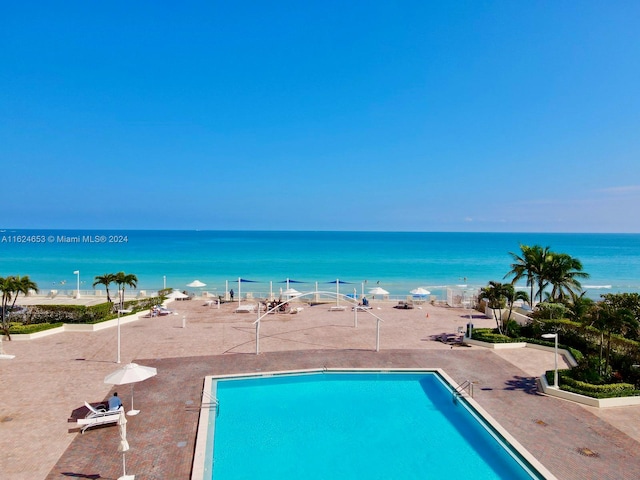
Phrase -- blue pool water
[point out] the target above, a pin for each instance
(353, 426)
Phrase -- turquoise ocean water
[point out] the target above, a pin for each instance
(395, 261)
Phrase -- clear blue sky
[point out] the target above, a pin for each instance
(321, 115)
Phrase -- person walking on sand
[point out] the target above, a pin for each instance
(231, 294)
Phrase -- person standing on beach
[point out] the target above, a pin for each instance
(231, 294)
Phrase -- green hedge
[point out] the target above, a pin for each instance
(489, 335)
(51, 314)
(17, 328)
(609, 390)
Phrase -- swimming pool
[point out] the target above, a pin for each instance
(352, 425)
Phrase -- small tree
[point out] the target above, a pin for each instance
(511, 296)
(124, 280)
(11, 287)
(106, 280)
(494, 292)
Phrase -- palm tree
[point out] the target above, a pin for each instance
(11, 287)
(494, 293)
(23, 285)
(610, 319)
(530, 265)
(125, 280)
(562, 272)
(106, 280)
(512, 296)
(7, 288)
(579, 306)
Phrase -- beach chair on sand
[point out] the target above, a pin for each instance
(245, 309)
(98, 416)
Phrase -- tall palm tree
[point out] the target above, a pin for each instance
(124, 280)
(562, 272)
(530, 265)
(106, 280)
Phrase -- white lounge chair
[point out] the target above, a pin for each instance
(245, 309)
(98, 416)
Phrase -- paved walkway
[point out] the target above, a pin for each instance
(50, 379)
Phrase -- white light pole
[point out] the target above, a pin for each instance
(555, 374)
(164, 282)
(119, 312)
(77, 273)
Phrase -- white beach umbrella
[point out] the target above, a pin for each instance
(124, 444)
(291, 292)
(196, 284)
(378, 291)
(130, 373)
(177, 294)
(420, 291)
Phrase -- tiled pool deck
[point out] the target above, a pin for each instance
(50, 378)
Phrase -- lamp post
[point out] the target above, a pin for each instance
(119, 312)
(555, 374)
(77, 273)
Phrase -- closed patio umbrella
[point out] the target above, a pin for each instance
(124, 444)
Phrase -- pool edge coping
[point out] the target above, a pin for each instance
(200, 449)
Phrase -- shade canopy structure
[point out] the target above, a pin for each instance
(130, 373)
(196, 284)
(240, 282)
(378, 291)
(420, 291)
(288, 281)
(338, 282)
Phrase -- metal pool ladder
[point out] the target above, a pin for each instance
(213, 403)
(459, 391)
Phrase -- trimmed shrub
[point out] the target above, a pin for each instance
(609, 390)
(17, 328)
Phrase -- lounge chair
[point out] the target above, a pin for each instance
(245, 309)
(98, 416)
(404, 305)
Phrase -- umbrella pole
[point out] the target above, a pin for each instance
(132, 411)
(124, 471)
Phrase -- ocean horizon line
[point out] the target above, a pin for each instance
(471, 232)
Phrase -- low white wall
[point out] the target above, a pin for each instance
(518, 317)
(553, 392)
(584, 400)
(503, 346)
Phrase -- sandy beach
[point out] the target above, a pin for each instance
(52, 377)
